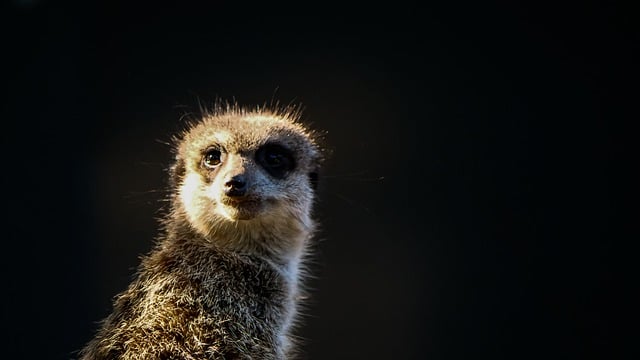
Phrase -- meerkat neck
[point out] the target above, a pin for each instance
(282, 243)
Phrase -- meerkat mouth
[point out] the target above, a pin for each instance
(244, 208)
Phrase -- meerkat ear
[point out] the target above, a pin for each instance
(176, 172)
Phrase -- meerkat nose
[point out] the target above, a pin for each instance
(236, 186)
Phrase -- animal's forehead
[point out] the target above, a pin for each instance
(247, 133)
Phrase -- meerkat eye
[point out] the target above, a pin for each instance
(276, 159)
(212, 158)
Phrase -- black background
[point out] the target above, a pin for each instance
(472, 204)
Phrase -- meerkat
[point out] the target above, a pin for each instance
(224, 279)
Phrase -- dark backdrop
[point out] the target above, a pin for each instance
(471, 206)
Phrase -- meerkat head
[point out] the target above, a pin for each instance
(247, 176)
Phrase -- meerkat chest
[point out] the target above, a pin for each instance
(214, 304)
(240, 291)
(243, 289)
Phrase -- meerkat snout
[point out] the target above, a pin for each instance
(233, 193)
(236, 186)
(241, 194)
(237, 177)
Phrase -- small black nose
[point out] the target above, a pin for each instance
(237, 186)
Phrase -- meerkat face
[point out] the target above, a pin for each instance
(246, 168)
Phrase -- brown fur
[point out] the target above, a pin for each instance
(219, 285)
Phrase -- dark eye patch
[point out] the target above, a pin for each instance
(276, 160)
